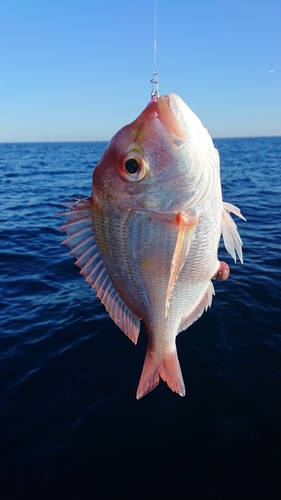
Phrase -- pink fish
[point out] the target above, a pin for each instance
(147, 238)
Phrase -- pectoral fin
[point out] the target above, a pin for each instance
(186, 230)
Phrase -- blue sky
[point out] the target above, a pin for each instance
(80, 69)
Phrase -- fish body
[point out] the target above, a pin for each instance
(147, 238)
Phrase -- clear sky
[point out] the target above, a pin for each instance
(80, 69)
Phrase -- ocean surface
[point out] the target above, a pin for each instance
(70, 426)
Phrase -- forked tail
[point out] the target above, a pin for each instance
(165, 366)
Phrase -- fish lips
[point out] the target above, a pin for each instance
(166, 111)
(169, 119)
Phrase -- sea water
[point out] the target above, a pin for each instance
(70, 427)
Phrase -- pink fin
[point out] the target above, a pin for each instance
(83, 246)
(203, 305)
(187, 226)
(167, 367)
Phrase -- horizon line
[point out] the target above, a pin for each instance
(108, 140)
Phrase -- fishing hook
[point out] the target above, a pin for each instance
(154, 80)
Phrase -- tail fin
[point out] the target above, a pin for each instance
(167, 367)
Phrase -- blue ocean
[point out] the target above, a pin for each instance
(70, 426)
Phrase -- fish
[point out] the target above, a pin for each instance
(147, 238)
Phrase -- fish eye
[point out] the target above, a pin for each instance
(134, 167)
(131, 166)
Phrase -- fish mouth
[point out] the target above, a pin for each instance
(168, 118)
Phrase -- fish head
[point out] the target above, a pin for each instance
(157, 162)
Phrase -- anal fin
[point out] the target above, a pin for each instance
(202, 306)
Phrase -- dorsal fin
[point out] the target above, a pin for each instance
(83, 246)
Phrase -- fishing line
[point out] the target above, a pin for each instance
(154, 81)
(271, 69)
(268, 70)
